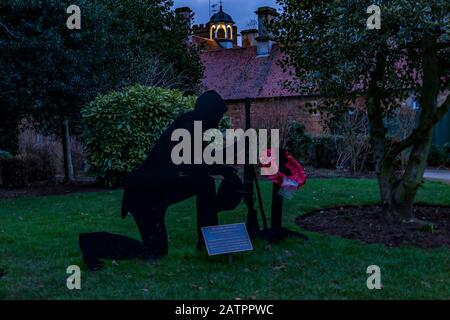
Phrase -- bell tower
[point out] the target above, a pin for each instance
(222, 29)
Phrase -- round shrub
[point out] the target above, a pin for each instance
(122, 127)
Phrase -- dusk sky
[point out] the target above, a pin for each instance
(242, 11)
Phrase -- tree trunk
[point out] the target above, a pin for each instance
(398, 194)
(69, 176)
(406, 190)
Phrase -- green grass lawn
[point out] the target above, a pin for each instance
(38, 240)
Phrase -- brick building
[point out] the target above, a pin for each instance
(249, 71)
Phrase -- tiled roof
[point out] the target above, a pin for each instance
(204, 43)
(238, 73)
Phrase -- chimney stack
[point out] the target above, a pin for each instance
(264, 41)
(249, 37)
(185, 14)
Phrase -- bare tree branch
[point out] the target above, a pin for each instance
(8, 31)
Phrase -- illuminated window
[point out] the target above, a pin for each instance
(230, 30)
(222, 32)
(212, 31)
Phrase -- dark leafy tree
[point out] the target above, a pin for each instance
(336, 56)
(50, 72)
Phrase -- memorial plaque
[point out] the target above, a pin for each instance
(226, 238)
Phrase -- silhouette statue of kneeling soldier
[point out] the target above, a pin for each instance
(158, 183)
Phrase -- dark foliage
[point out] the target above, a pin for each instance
(49, 72)
(21, 171)
(439, 157)
(334, 55)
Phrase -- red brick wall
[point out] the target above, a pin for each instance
(276, 110)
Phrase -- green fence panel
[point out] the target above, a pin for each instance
(442, 131)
